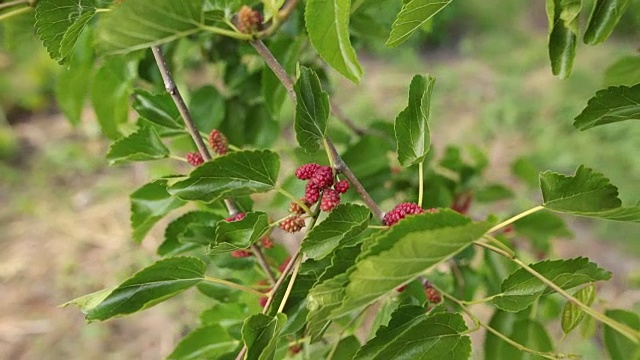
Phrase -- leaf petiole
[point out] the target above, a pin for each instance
(515, 218)
(420, 182)
(294, 199)
(234, 286)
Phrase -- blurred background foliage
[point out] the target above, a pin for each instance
(64, 213)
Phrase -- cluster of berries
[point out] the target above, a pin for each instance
(248, 20)
(218, 143)
(265, 241)
(432, 294)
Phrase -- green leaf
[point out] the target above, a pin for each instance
(521, 288)
(143, 145)
(18, 30)
(494, 347)
(150, 286)
(136, 25)
(148, 205)
(208, 342)
(110, 95)
(564, 16)
(618, 346)
(531, 334)
(346, 349)
(413, 15)
(328, 27)
(240, 234)
(412, 124)
(207, 108)
(587, 193)
(625, 71)
(572, 314)
(493, 192)
(408, 249)
(604, 18)
(286, 51)
(72, 85)
(87, 302)
(172, 244)
(343, 223)
(541, 227)
(235, 174)
(322, 300)
(610, 105)
(60, 22)
(157, 108)
(410, 332)
(312, 110)
(260, 333)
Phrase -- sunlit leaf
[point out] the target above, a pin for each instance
(208, 342)
(610, 105)
(312, 110)
(328, 27)
(414, 13)
(413, 136)
(260, 333)
(572, 314)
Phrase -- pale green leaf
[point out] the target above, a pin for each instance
(619, 346)
(139, 24)
(572, 314)
(587, 193)
(208, 342)
(260, 333)
(521, 288)
(328, 27)
(109, 94)
(625, 71)
(610, 105)
(150, 286)
(531, 334)
(413, 14)
(72, 85)
(413, 136)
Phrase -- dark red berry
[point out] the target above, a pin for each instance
(323, 177)
(266, 242)
(401, 288)
(194, 159)
(330, 199)
(248, 20)
(294, 349)
(240, 254)
(433, 295)
(218, 142)
(293, 223)
(341, 186)
(263, 301)
(400, 211)
(284, 264)
(311, 193)
(236, 217)
(306, 171)
(462, 203)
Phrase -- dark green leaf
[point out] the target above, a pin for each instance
(328, 27)
(343, 223)
(135, 25)
(618, 346)
(493, 192)
(157, 108)
(148, 205)
(531, 334)
(625, 71)
(411, 334)
(494, 347)
(408, 249)
(73, 82)
(150, 286)
(603, 19)
(587, 193)
(323, 299)
(572, 314)
(260, 333)
(224, 314)
(521, 288)
(346, 349)
(208, 342)
(414, 13)
(143, 145)
(172, 244)
(110, 95)
(60, 22)
(207, 108)
(564, 29)
(525, 170)
(413, 136)
(240, 234)
(312, 110)
(286, 51)
(235, 174)
(610, 105)
(219, 292)
(541, 228)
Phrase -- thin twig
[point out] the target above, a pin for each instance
(338, 163)
(173, 90)
(515, 218)
(15, 12)
(13, 3)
